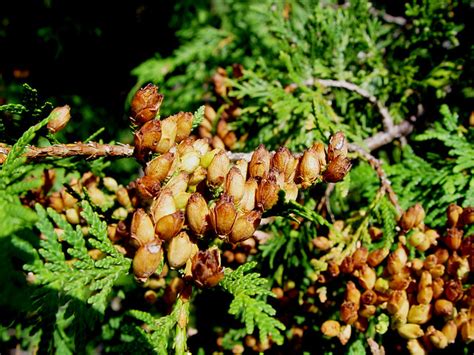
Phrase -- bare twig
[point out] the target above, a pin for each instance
(89, 150)
(377, 166)
(387, 119)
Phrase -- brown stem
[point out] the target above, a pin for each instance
(88, 150)
(387, 119)
(377, 166)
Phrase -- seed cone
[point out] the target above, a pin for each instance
(146, 260)
(145, 104)
(180, 250)
(337, 169)
(259, 165)
(245, 226)
(206, 268)
(168, 226)
(218, 168)
(197, 214)
(223, 215)
(59, 118)
(142, 230)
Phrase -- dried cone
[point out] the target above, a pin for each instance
(147, 259)
(245, 226)
(454, 212)
(413, 217)
(159, 168)
(197, 214)
(337, 146)
(147, 138)
(184, 125)
(163, 205)
(169, 129)
(206, 268)
(285, 163)
(337, 169)
(147, 187)
(217, 170)
(145, 104)
(142, 230)
(410, 331)
(168, 226)
(259, 165)
(179, 250)
(223, 215)
(247, 203)
(308, 168)
(267, 193)
(235, 184)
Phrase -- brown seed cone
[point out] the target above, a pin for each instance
(267, 193)
(438, 287)
(453, 238)
(359, 257)
(369, 297)
(218, 169)
(147, 259)
(145, 104)
(223, 215)
(453, 290)
(337, 169)
(467, 217)
(285, 163)
(170, 225)
(410, 331)
(179, 250)
(308, 168)
(352, 293)
(259, 165)
(147, 138)
(247, 203)
(206, 268)
(235, 184)
(397, 260)
(160, 167)
(443, 308)
(377, 256)
(413, 217)
(197, 214)
(184, 121)
(419, 314)
(450, 330)
(245, 226)
(169, 128)
(147, 188)
(163, 205)
(367, 277)
(454, 212)
(348, 312)
(337, 146)
(142, 231)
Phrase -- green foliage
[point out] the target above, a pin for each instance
(64, 265)
(441, 176)
(249, 303)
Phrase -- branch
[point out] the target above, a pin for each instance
(88, 150)
(377, 166)
(387, 119)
